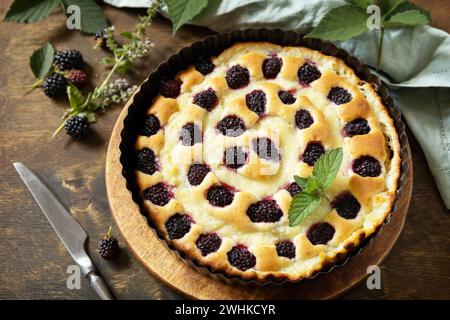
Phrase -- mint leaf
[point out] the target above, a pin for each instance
(126, 34)
(76, 98)
(124, 66)
(340, 24)
(302, 182)
(41, 60)
(327, 167)
(308, 185)
(181, 11)
(25, 11)
(301, 206)
(92, 18)
(312, 186)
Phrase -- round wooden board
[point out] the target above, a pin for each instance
(169, 268)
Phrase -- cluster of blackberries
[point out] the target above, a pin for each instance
(67, 66)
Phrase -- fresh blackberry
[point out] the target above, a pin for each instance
(266, 149)
(356, 127)
(339, 95)
(312, 153)
(320, 233)
(237, 77)
(231, 126)
(293, 189)
(204, 66)
(367, 166)
(170, 88)
(234, 157)
(100, 39)
(308, 73)
(346, 205)
(190, 134)
(303, 119)
(54, 85)
(208, 243)
(264, 211)
(178, 225)
(256, 101)
(196, 174)
(206, 99)
(108, 247)
(68, 59)
(146, 161)
(286, 249)
(150, 126)
(76, 77)
(76, 126)
(158, 194)
(286, 97)
(271, 67)
(219, 196)
(240, 258)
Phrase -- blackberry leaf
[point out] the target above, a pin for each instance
(408, 18)
(181, 11)
(25, 11)
(41, 60)
(92, 18)
(363, 4)
(340, 24)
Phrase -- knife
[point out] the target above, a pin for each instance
(66, 227)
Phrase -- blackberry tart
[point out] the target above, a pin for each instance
(216, 154)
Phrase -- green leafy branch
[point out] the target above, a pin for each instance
(92, 18)
(348, 21)
(313, 187)
(28, 11)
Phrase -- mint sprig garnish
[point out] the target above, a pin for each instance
(348, 21)
(313, 187)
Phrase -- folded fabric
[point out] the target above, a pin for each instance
(417, 61)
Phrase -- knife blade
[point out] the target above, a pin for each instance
(66, 227)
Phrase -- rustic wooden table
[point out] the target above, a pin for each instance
(33, 262)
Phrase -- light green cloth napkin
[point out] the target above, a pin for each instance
(418, 59)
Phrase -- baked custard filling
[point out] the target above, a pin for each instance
(218, 150)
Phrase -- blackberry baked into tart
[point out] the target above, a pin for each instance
(217, 152)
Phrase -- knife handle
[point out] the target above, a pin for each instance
(99, 286)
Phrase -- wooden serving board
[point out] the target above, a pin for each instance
(164, 264)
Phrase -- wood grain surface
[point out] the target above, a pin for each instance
(164, 264)
(33, 262)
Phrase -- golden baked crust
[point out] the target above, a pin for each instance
(259, 178)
